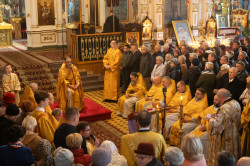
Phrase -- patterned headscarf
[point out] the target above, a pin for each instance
(43, 150)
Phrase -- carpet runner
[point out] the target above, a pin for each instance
(94, 112)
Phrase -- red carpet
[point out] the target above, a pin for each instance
(94, 112)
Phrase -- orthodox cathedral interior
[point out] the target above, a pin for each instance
(36, 36)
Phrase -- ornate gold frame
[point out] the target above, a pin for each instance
(240, 14)
(176, 33)
(147, 25)
(211, 26)
(128, 34)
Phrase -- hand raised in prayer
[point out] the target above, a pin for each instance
(72, 87)
(213, 115)
(147, 98)
(215, 91)
(203, 127)
(170, 111)
(185, 119)
(96, 143)
(127, 96)
(107, 67)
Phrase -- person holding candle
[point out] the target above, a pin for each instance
(155, 92)
(190, 115)
(182, 97)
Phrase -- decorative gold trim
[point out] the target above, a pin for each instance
(188, 25)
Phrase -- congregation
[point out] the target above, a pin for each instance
(205, 90)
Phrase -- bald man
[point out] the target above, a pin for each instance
(224, 127)
(243, 161)
(28, 94)
(154, 93)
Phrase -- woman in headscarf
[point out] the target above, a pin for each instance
(116, 158)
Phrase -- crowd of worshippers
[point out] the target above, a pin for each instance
(212, 85)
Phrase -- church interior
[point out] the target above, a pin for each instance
(38, 37)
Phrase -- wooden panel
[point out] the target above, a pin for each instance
(95, 67)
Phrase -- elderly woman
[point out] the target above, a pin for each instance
(193, 151)
(116, 158)
(175, 70)
(176, 53)
(159, 68)
(30, 138)
(168, 58)
(27, 108)
(182, 60)
(222, 77)
(74, 142)
(43, 153)
(207, 81)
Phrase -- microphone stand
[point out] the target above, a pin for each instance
(164, 112)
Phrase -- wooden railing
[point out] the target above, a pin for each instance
(89, 47)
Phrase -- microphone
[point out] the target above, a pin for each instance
(164, 91)
(92, 136)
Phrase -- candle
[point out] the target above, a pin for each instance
(181, 100)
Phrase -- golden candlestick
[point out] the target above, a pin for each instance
(157, 118)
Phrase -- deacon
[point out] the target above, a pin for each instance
(111, 63)
(201, 130)
(224, 127)
(191, 113)
(134, 93)
(69, 87)
(154, 93)
(11, 83)
(182, 97)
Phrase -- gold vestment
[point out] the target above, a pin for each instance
(138, 90)
(204, 120)
(245, 138)
(190, 111)
(155, 92)
(11, 83)
(130, 142)
(66, 77)
(112, 76)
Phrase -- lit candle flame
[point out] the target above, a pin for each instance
(181, 98)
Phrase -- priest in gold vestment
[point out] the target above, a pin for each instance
(181, 97)
(224, 127)
(111, 63)
(135, 92)
(154, 93)
(130, 142)
(69, 87)
(245, 138)
(11, 83)
(28, 94)
(191, 113)
(170, 86)
(201, 130)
